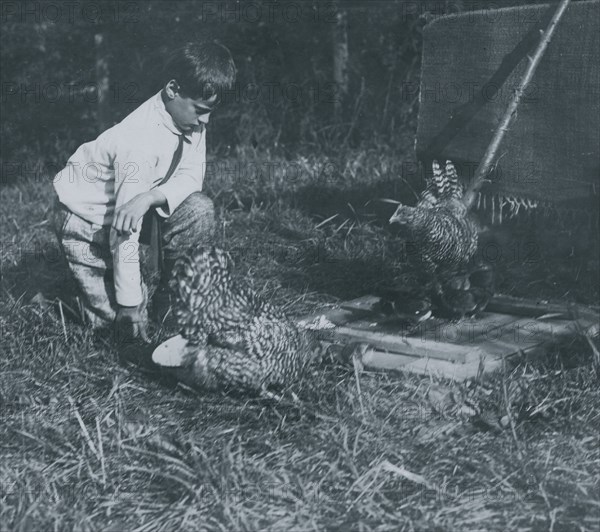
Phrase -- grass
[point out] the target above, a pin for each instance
(91, 441)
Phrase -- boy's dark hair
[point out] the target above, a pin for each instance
(202, 69)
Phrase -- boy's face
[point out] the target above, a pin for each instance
(188, 113)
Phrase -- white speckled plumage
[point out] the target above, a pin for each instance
(440, 223)
(234, 339)
(446, 237)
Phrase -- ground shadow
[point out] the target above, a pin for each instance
(40, 275)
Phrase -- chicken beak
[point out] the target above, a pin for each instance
(396, 216)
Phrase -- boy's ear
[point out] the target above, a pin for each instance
(171, 89)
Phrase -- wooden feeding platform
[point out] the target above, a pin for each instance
(457, 350)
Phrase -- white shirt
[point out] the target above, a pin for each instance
(126, 160)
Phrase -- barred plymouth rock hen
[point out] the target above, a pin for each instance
(446, 240)
(230, 337)
(439, 223)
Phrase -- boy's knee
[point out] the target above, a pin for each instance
(200, 205)
(201, 212)
(192, 224)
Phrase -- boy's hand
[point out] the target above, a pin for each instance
(130, 325)
(127, 217)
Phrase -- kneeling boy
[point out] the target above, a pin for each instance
(149, 167)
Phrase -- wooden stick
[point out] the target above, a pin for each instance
(492, 149)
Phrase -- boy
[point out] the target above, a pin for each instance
(148, 167)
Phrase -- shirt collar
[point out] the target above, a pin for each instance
(167, 120)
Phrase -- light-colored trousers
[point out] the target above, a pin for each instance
(86, 248)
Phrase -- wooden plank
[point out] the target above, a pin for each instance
(415, 347)
(364, 303)
(454, 350)
(499, 348)
(496, 334)
(521, 335)
(501, 304)
(542, 331)
(548, 331)
(524, 335)
(469, 331)
(433, 338)
(398, 329)
(530, 307)
(506, 337)
(382, 360)
(442, 368)
(376, 360)
(528, 336)
(485, 362)
(406, 340)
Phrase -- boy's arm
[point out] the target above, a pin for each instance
(126, 218)
(134, 173)
(188, 177)
(130, 320)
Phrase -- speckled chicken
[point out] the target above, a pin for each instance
(440, 223)
(230, 337)
(446, 238)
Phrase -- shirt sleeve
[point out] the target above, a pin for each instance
(188, 177)
(134, 174)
